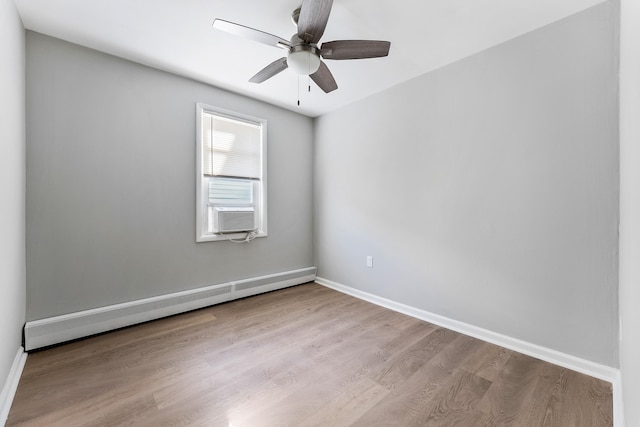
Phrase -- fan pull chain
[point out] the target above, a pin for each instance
(298, 90)
(309, 74)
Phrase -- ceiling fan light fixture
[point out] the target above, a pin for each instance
(303, 60)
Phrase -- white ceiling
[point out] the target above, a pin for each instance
(177, 36)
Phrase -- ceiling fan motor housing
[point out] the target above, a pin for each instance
(295, 15)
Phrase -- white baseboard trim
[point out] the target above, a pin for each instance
(11, 385)
(59, 329)
(574, 363)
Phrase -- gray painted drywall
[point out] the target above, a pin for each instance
(630, 208)
(12, 186)
(487, 190)
(110, 201)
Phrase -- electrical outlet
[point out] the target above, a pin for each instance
(369, 261)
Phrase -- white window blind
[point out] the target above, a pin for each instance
(230, 191)
(231, 148)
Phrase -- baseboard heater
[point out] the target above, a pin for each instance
(55, 330)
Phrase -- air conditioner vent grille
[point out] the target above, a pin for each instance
(232, 219)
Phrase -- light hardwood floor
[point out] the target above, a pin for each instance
(302, 356)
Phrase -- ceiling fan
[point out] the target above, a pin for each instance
(304, 55)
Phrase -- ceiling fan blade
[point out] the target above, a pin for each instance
(355, 49)
(314, 15)
(270, 70)
(250, 33)
(324, 79)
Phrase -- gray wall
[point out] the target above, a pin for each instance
(12, 186)
(487, 190)
(110, 201)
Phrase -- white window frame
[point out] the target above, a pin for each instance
(202, 197)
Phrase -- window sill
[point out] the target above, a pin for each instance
(238, 237)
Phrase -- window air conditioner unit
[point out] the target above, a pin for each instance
(233, 219)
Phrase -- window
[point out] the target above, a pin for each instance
(231, 175)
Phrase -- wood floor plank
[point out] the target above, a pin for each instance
(408, 362)
(459, 395)
(512, 390)
(418, 390)
(301, 356)
(331, 372)
(590, 399)
(488, 361)
(345, 408)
